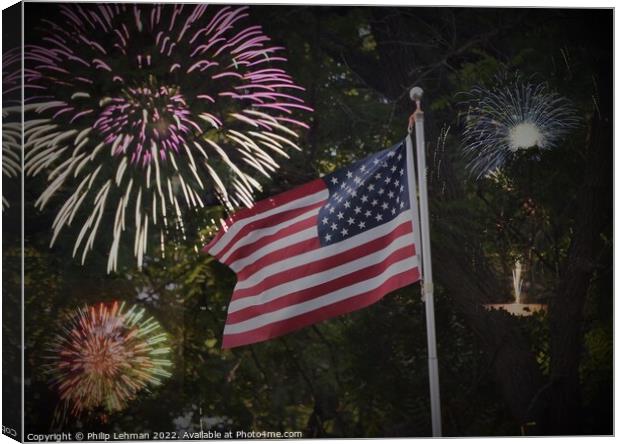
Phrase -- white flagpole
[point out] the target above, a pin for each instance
(427, 269)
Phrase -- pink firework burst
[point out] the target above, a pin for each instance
(140, 111)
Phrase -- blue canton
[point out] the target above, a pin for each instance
(364, 195)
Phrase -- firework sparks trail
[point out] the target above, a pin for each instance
(511, 116)
(105, 356)
(144, 109)
(11, 116)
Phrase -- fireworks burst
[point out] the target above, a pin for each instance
(146, 109)
(105, 356)
(11, 115)
(512, 116)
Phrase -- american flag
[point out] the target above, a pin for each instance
(329, 247)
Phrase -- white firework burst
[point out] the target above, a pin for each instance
(511, 116)
(11, 116)
(142, 110)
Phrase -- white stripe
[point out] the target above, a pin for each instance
(320, 302)
(283, 242)
(237, 226)
(322, 253)
(255, 235)
(321, 277)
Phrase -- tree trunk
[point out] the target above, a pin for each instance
(513, 364)
(594, 205)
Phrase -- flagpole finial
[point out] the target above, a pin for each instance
(415, 94)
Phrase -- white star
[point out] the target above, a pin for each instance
(393, 210)
(374, 202)
(375, 161)
(381, 191)
(400, 156)
(379, 217)
(340, 215)
(391, 154)
(357, 210)
(402, 171)
(333, 226)
(378, 176)
(393, 168)
(364, 198)
(388, 180)
(347, 204)
(396, 182)
(350, 221)
(344, 231)
(371, 187)
(334, 180)
(367, 213)
(328, 237)
(331, 210)
(402, 204)
(354, 193)
(357, 180)
(362, 225)
(343, 184)
(384, 205)
(402, 188)
(349, 174)
(363, 168)
(398, 199)
(391, 194)
(325, 220)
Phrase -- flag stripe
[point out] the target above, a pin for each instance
(267, 236)
(290, 296)
(284, 242)
(281, 262)
(357, 302)
(260, 229)
(299, 197)
(257, 270)
(405, 265)
(360, 256)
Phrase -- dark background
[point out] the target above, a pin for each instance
(365, 374)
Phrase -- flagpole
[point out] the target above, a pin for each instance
(427, 269)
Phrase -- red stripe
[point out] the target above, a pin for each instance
(348, 305)
(279, 255)
(250, 248)
(267, 222)
(268, 204)
(316, 291)
(324, 264)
